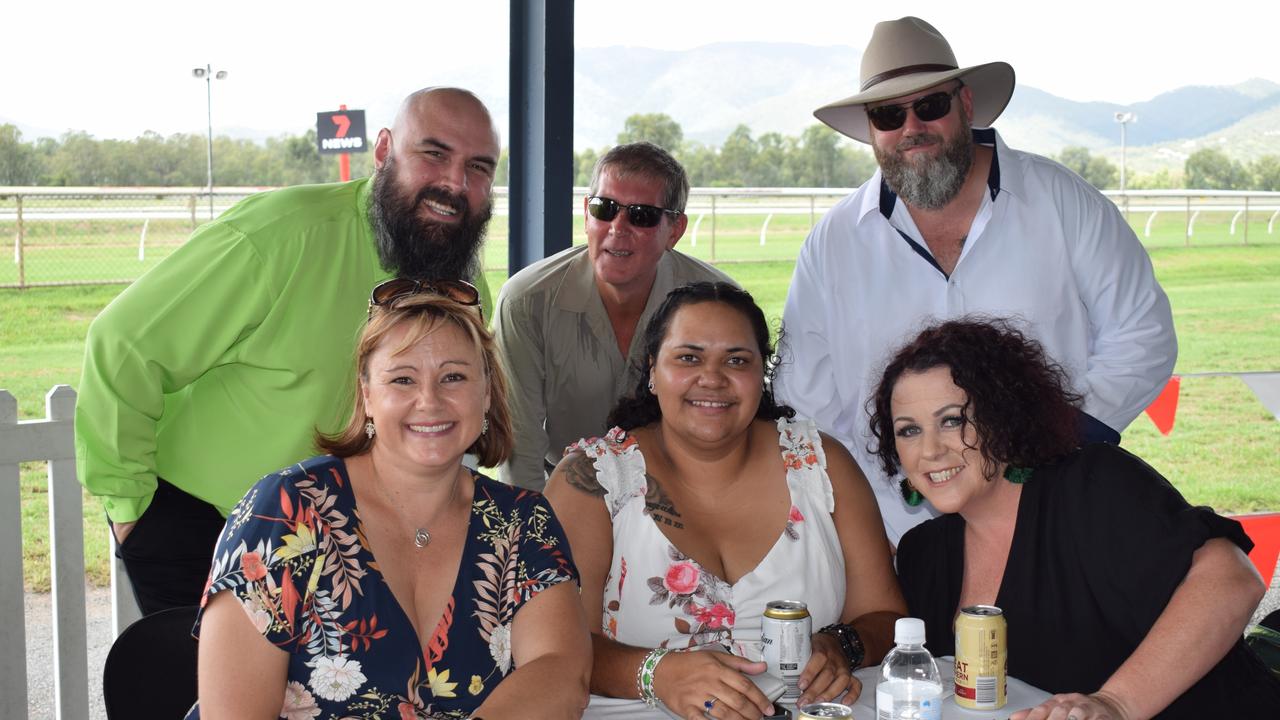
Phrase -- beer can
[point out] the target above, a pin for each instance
(786, 632)
(982, 658)
(814, 711)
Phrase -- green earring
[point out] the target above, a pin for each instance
(1017, 475)
(909, 494)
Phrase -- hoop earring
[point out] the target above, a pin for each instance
(909, 494)
(651, 386)
(369, 429)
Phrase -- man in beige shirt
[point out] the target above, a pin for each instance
(569, 327)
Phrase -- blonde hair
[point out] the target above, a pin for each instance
(421, 314)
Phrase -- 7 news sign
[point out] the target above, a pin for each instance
(341, 131)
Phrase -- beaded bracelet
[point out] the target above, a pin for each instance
(644, 676)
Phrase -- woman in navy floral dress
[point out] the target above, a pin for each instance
(386, 580)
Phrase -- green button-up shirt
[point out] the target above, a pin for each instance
(218, 366)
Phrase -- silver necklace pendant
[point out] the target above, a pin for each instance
(421, 537)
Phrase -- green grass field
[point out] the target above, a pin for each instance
(102, 250)
(1223, 451)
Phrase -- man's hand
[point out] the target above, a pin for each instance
(122, 530)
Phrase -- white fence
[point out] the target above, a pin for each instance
(88, 235)
(53, 440)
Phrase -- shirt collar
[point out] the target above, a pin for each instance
(578, 292)
(996, 181)
(578, 288)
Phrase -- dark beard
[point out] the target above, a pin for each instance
(935, 182)
(409, 246)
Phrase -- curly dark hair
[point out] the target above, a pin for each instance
(641, 407)
(1018, 400)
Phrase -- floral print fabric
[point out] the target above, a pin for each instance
(656, 596)
(293, 553)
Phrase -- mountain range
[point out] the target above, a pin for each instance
(774, 87)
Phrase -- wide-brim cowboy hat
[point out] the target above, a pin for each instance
(906, 56)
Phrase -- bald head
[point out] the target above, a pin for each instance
(443, 101)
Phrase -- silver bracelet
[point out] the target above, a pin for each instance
(644, 675)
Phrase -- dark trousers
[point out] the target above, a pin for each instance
(169, 551)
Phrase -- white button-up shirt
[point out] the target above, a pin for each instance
(1045, 250)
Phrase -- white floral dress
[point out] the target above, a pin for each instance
(655, 596)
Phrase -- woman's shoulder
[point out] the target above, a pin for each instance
(612, 465)
(799, 437)
(617, 442)
(928, 532)
(1100, 469)
(296, 483)
(503, 495)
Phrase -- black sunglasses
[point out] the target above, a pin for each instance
(934, 106)
(641, 216)
(388, 291)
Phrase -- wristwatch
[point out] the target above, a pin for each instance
(850, 643)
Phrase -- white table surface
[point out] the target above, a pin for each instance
(1020, 695)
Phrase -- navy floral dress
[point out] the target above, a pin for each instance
(293, 552)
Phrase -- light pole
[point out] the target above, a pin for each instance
(207, 74)
(1124, 118)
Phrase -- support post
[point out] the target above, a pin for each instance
(13, 638)
(541, 146)
(20, 251)
(1246, 219)
(713, 228)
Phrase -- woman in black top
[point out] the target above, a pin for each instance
(1118, 594)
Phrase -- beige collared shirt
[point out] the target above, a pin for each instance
(561, 355)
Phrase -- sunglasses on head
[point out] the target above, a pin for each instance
(387, 292)
(934, 106)
(641, 216)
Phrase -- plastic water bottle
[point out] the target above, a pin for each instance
(910, 687)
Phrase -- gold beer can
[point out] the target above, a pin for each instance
(982, 658)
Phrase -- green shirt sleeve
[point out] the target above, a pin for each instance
(165, 330)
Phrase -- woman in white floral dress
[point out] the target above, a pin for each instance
(386, 580)
(707, 501)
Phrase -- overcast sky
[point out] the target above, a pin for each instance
(118, 68)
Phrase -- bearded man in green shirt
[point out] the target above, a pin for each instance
(218, 365)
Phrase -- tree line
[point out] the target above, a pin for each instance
(818, 157)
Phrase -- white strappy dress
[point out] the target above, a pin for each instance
(655, 596)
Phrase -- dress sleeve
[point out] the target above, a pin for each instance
(545, 559)
(268, 556)
(1134, 532)
(805, 460)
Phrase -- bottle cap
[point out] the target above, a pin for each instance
(908, 630)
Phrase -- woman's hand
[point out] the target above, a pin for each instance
(1074, 706)
(686, 681)
(827, 675)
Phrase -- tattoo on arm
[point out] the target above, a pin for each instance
(659, 505)
(581, 474)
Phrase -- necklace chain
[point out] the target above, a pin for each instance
(421, 535)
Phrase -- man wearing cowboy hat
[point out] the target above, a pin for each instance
(956, 223)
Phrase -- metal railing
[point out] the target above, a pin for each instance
(89, 235)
